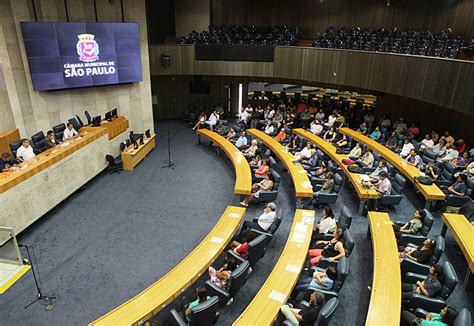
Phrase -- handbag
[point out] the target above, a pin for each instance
(355, 169)
(347, 161)
(424, 180)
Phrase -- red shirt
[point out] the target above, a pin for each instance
(301, 107)
(243, 249)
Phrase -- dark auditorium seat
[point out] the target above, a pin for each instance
(14, 146)
(427, 221)
(398, 185)
(75, 124)
(345, 218)
(463, 318)
(331, 198)
(237, 280)
(115, 164)
(342, 270)
(255, 252)
(412, 266)
(203, 314)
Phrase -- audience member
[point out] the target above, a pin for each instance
(264, 221)
(221, 276)
(69, 132)
(252, 150)
(242, 247)
(422, 254)
(445, 317)
(263, 169)
(201, 120)
(376, 134)
(414, 159)
(327, 224)
(281, 136)
(458, 188)
(8, 164)
(25, 151)
(448, 138)
(407, 147)
(356, 152)
(374, 176)
(304, 316)
(320, 280)
(202, 296)
(265, 185)
(427, 142)
(51, 139)
(429, 287)
(332, 249)
(241, 141)
(411, 227)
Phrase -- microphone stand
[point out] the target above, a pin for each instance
(40, 296)
(169, 164)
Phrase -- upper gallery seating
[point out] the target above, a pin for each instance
(245, 35)
(407, 41)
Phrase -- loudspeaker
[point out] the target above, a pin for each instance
(165, 60)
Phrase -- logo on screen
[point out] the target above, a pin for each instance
(87, 48)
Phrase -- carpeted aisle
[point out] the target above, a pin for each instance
(122, 232)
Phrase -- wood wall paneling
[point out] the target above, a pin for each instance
(316, 16)
(182, 59)
(81, 11)
(109, 10)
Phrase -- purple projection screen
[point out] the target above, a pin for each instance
(70, 55)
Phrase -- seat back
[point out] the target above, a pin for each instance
(38, 141)
(348, 241)
(88, 117)
(427, 221)
(390, 168)
(321, 155)
(59, 131)
(463, 318)
(377, 157)
(438, 250)
(345, 218)
(122, 147)
(238, 278)
(338, 180)
(275, 225)
(326, 312)
(75, 124)
(14, 146)
(110, 159)
(399, 183)
(450, 280)
(256, 249)
(276, 180)
(205, 313)
(341, 273)
(448, 171)
(79, 120)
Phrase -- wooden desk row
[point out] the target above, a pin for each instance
(264, 308)
(363, 193)
(386, 293)
(303, 188)
(430, 192)
(47, 158)
(166, 289)
(243, 175)
(463, 232)
(132, 156)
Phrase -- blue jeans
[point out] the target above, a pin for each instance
(302, 285)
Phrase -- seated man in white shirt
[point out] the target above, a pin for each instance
(269, 129)
(263, 222)
(406, 149)
(450, 154)
(213, 118)
(25, 151)
(69, 132)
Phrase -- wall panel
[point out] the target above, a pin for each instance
(316, 16)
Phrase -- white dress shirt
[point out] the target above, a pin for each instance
(25, 153)
(269, 129)
(69, 133)
(266, 219)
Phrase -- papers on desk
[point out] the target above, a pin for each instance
(364, 177)
(216, 240)
(292, 269)
(130, 150)
(64, 144)
(306, 185)
(308, 220)
(277, 296)
(234, 215)
(298, 237)
(301, 227)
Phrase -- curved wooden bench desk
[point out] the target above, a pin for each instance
(386, 295)
(430, 192)
(303, 188)
(243, 175)
(363, 192)
(149, 302)
(463, 232)
(264, 308)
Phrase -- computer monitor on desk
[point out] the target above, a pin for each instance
(108, 116)
(134, 137)
(114, 113)
(147, 133)
(96, 121)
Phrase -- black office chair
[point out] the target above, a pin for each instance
(345, 218)
(115, 164)
(325, 314)
(79, 120)
(128, 143)
(204, 314)
(331, 198)
(412, 266)
(14, 146)
(463, 318)
(395, 197)
(349, 244)
(39, 142)
(255, 252)
(59, 131)
(342, 270)
(448, 284)
(238, 278)
(446, 176)
(88, 117)
(267, 196)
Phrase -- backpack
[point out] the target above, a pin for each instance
(355, 169)
(424, 180)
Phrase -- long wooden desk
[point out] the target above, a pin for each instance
(114, 127)
(298, 174)
(149, 302)
(47, 158)
(431, 192)
(463, 232)
(363, 192)
(131, 156)
(386, 295)
(264, 308)
(243, 175)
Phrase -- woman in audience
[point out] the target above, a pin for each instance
(411, 227)
(269, 129)
(201, 293)
(252, 150)
(231, 134)
(445, 317)
(256, 161)
(363, 128)
(440, 148)
(414, 159)
(432, 171)
(294, 144)
(320, 280)
(422, 254)
(316, 127)
(263, 169)
(461, 162)
(392, 142)
(413, 131)
(376, 134)
(426, 143)
(221, 276)
(328, 184)
(201, 120)
(460, 146)
(343, 142)
(242, 247)
(305, 152)
(356, 152)
(265, 185)
(450, 154)
(429, 287)
(330, 135)
(332, 249)
(327, 224)
(281, 136)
